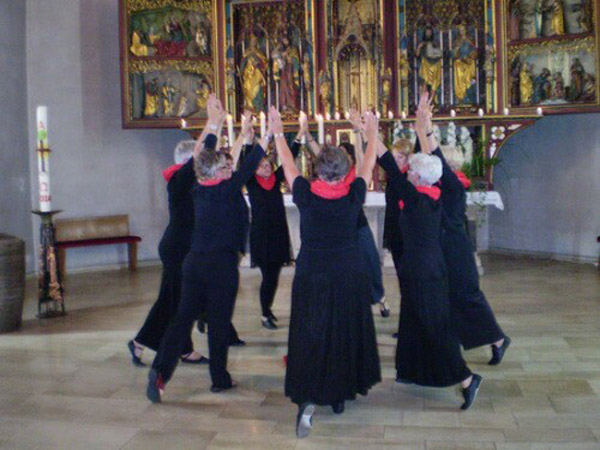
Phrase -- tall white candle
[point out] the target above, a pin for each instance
(378, 115)
(263, 124)
(480, 112)
(452, 113)
(506, 112)
(303, 138)
(403, 114)
(539, 111)
(230, 133)
(337, 115)
(390, 115)
(327, 116)
(321, 126)
(42, 126)
(183, 123)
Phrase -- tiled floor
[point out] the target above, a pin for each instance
(67, 383)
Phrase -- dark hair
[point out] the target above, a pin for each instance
(210, 142)
(350, 150)
(332, 164)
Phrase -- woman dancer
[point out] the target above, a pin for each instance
(473, 317)
(210, 271)
(173, 248)
(269, 236)
(366, 240)
(332, 350)
(428, 349)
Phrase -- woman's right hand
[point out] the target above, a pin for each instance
(275, 121)
(371, 126)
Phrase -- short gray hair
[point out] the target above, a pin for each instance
(207, 164)
(429, 167)
(184, 151)
(332, 164)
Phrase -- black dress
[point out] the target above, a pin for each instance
(172, 249)
(475, 321)
(332, 349)
(269, 234)
(392, 235)
(428, 350)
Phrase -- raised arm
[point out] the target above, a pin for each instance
(371, 130)
(287, 159)
(424, 124)
(357, 128)
(245, 137)
(212, 122)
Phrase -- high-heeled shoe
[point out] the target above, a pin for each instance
(338, 408)
(384, 310)
(135, 357)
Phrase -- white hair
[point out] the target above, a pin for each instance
(429, 167)
(184, 151)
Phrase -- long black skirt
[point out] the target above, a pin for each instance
(332, 348)
(471, 313)
(428, 350)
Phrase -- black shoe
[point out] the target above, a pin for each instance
(156, 386)
(395, 335)
(304, 420)
(268, 324)
(237, 343)
(135, 359)
(216, 389)
(498, 352)
(384, 310)
(201, 326)
(469, 393)
(272, 317)
(338, 408)
(403, 381)
(201, 360)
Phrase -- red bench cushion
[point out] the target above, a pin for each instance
(102, 241)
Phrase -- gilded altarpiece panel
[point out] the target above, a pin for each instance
(168, 58)
(269, 57)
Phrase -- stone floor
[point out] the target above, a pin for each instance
(67, 383)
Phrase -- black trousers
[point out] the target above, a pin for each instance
(167, 303)
(210, 283)
(270, 280)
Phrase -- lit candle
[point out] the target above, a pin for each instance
(452, 113)
(42, 126)
(378, 115)
(230, 134)
(347, 115)
(327, 116)
(403, 114)
(390, 115)
(43, 159)
(480, 112)
(506, 112)
(321, 127)
(539, 111)
(183, 124)
(263, 124)
(337, 115)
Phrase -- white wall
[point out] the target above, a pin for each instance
(15, 215)
(549, 178)
(96, 167)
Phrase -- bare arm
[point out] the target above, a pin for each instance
(357, 128)
(246, 133)
(424, 125)
(212, 123)
(287, 159)
(371, 130)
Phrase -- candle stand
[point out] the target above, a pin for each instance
(51, 302)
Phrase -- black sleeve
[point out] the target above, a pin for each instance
(295, 149)
(246, 149)
(398, 181)
(418, 146)
(248, 167)
(183, 180)
(450, 181)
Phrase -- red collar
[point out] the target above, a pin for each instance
(266, 183)
(350, 176)
(170, 171)
(211, 182)
(430, 191)
(329, 191)
(463, 179)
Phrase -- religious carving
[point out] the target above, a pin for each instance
(430, 61)
(464, 53)
(325, 90)
(386, 88)
(254, 83)
(525, 84)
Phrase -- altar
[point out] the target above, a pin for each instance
(477, 204)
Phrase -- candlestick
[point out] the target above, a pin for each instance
(42, 126)
(321, 127)
(539, 111)
(480, 112)
(230, 133)
(506, 112)
(263, 124)
(452, 113)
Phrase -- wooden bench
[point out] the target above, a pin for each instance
(91, 231)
